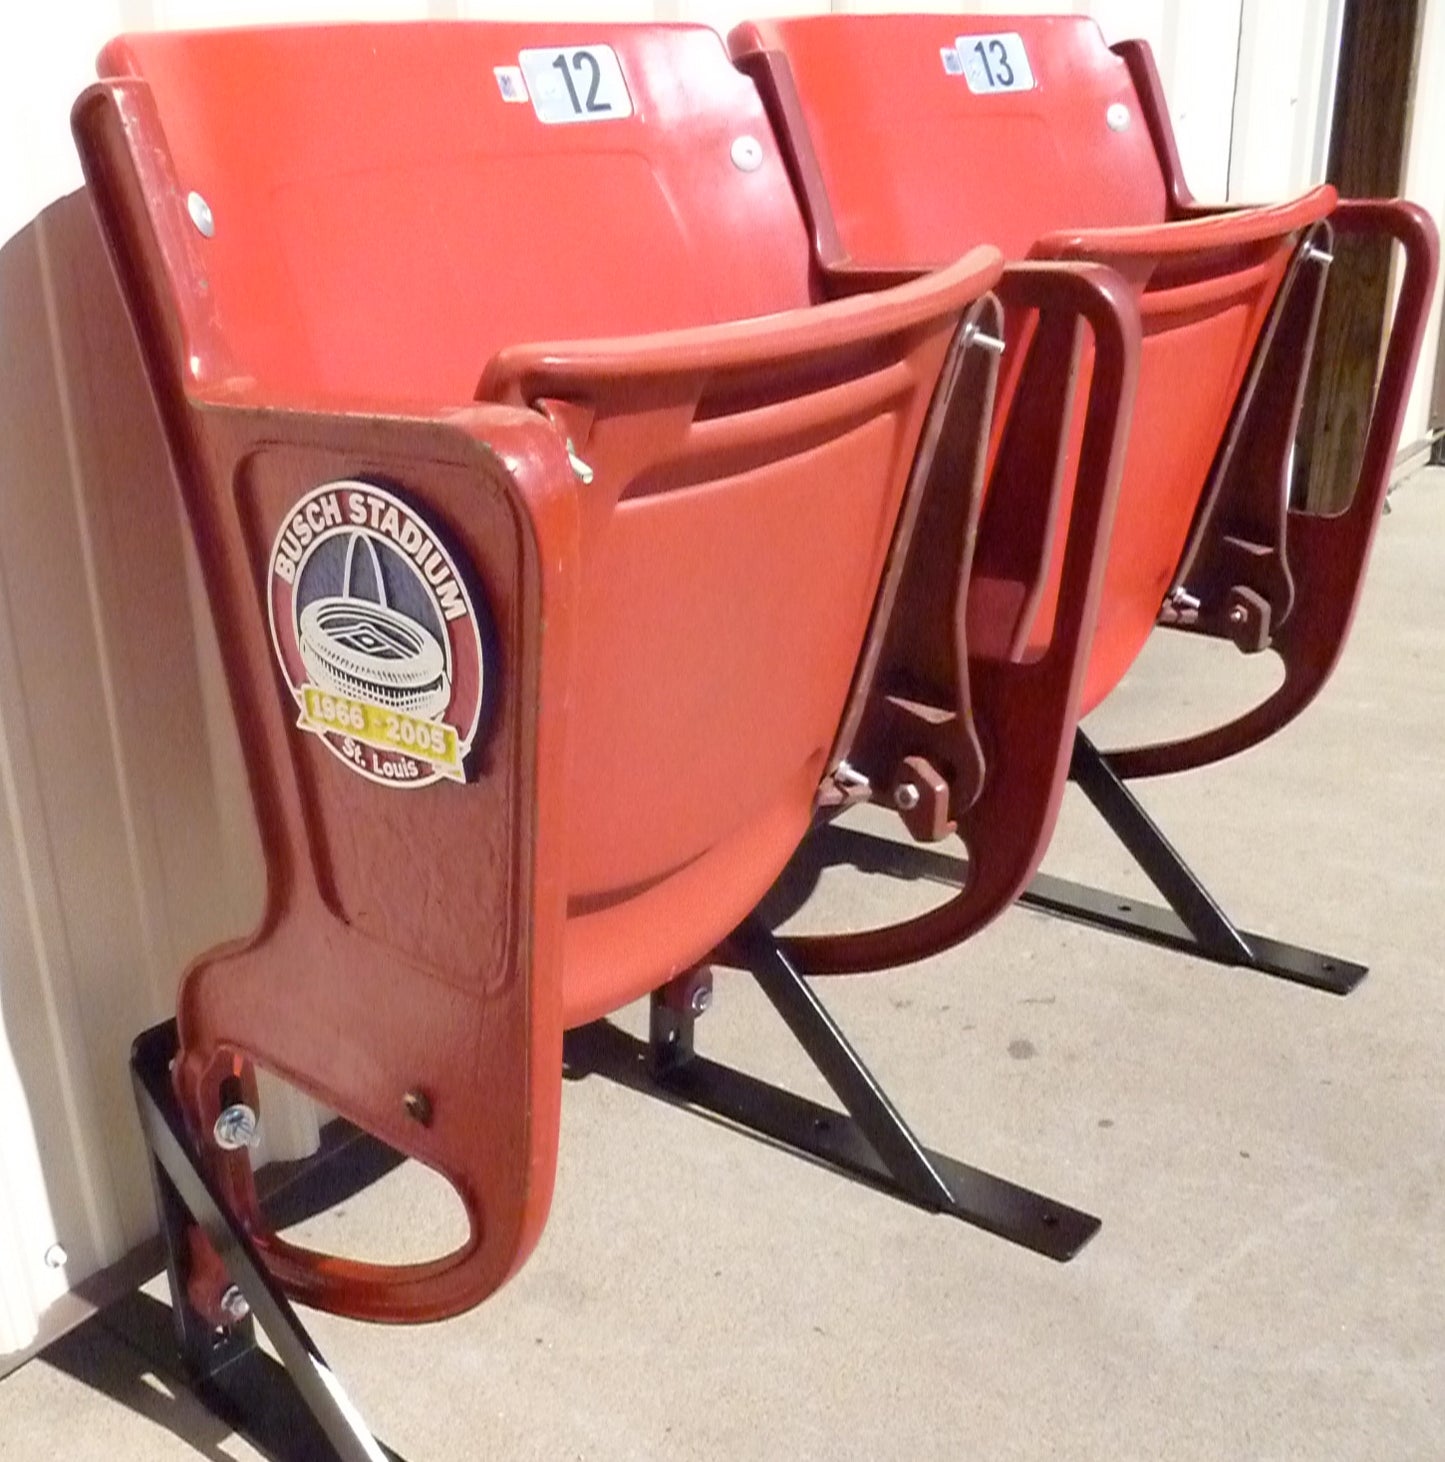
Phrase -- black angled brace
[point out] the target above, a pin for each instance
(872, 1143)
(294, 1411)
(1193, 922)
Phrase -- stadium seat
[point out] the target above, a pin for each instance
(540, 652)
(911, 138)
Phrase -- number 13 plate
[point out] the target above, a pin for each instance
(576, 83)
(995, 62)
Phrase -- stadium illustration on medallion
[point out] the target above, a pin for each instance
(363, 648)
(377, 634)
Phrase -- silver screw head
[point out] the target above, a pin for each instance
(234, 1305)
(747, 153)
(1117, 116)
(701, 999)
(1238, 614)
(200, 212)
(906, 797)
(237, 1127)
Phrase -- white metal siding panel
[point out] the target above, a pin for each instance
(1283, 96)
(130, 844)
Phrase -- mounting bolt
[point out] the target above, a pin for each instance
(850, 779)
(201, 216)
(56, 1257)
(234, 1305)
(906, 797)
(1238, 615)
(701, 999)
(418, 1106)
(238, 1126)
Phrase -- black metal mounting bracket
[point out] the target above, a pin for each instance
(1191, 923)
(869, 1141)
(294, 1411)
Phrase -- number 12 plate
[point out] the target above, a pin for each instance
(995, 62)
(576, 83)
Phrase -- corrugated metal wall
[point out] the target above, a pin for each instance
(126, 842)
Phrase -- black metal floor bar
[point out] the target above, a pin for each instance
(294, 1411)
(871, 1143)
(1192, 923)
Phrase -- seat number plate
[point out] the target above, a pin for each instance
(576, 83)
(994, 62)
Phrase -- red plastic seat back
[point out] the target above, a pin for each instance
(913, 148)
(914, 160)
(385, 219)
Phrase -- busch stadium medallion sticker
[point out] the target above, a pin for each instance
(376, 634)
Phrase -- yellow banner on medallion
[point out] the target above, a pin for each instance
(433, 742)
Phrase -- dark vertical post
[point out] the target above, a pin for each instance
(1374, 92)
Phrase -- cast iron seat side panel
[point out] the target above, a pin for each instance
(1069, 185)
(706, 445)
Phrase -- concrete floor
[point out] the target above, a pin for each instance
(1269, 1164)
